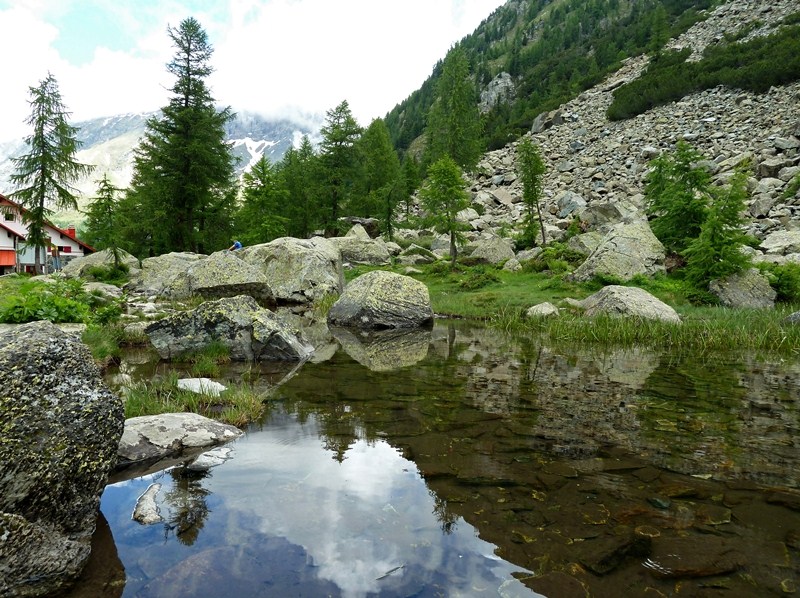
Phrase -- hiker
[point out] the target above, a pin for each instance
(235, 247)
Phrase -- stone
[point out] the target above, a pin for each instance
(380, 299)
(78, 267)
(251, 332)
(151, 438)
(223, 274)
(204, 386)
(298, 270)
(384, 350)
(781, 242)
(696, 556)
(568, 203)
(146, 510)
(59, 429)
(616, 300)
(542, 310)
(626, 251)
(603, 555)
(494, 250)
(358, 250)
(748, 289)
(158, 274)
(546, 120)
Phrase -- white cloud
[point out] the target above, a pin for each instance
(276, 57)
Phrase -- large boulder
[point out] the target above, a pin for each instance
(616, 300)
(749, 289)
(625, 251)
(384, 350)
(251, 332)
(78, 267)
(494, 250)
(59, 430)
(298, 270)
(160, 275)
(358, 248)
(223, 274)
(381, 299)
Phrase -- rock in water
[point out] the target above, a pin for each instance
(59, 430)
(379, 299)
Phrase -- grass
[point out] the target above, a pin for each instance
(237, 406)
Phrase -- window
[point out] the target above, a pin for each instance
(9, 216)
(65, 249)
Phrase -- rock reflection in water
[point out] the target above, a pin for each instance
(384, 350)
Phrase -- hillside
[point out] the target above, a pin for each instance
(531, 56)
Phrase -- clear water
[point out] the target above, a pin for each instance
(463, 462)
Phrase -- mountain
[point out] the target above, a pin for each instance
(108, 144)
(530, 56)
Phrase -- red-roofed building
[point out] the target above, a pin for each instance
(16, 256)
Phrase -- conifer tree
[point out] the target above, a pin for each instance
(454, 124)
(102, 227)
(532, 170)
(299, 169)
(381, 181)
(44, 176)
(443, 197)
(183, 182)
(339, 158)
(259, 219)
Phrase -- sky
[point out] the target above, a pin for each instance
(279, 58)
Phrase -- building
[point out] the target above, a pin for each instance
(16, 256)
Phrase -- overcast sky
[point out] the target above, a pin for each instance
(270, 56)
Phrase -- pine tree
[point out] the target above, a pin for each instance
(102, 226)
(339, 158)
(412, 180)
(183, 182)
(454, 124)
(443, 197)
(44, 176)
(531, 168)
(382, 184)
(300, 170)
(259, 219)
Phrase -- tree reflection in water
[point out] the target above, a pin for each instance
(188, 506)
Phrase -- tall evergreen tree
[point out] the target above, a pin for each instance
(300, 172)
(443, 197)
(339, 160)
(183, 182)
(381, 182)
(259, 219)
(411, 179)
(531, 168)
(454, 123)
(44, 176)
(101, 226)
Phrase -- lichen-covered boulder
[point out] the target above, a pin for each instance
(159, 274)
(223, 274)
(616, 300)
(384, 350)
(298, 270)
(748, 289)
(361, 249)
(78, 267)
(625, 251)
(381, 299)
(251, 332)
(494, 250)
(59, 430)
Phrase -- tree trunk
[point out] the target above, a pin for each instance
(453, 250)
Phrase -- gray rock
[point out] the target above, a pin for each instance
(146, 510)
(204, 386)
(546, 120)
(251, 332)
(569, 203)
(494, 250)
(78, 267)
(384, 350)
(59, 429)
(542, 310)
(615, 300)
(223, 274)
(586, 243)
(627, 250)
(781, 242)
(748, 289)
(299, 270)
(159, 274)
(358, 250)
(380, 299)
(151, 438)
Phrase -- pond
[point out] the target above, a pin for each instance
(465, 462)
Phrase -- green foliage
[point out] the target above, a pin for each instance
(756, 65)
(300, 172)
(717, 251)
(339, 159)
(454, 124)
(443, 197)
(785, 279)
(101, 228)
(532, 169)
(792, 188)
(259, 218)
(555, 258)
(183, 189)
(676, 193)
(44, 176)
(478, 277)
(103, 341)
(113, 274)
(381, 185)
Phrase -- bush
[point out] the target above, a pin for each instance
(785, 279)
(478, 278)
(116, 275)
(555, 257)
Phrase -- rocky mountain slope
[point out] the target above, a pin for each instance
(596, 167)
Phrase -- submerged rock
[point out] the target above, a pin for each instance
(384, 350)
(59, 429)
(251, 332)
(381, 299)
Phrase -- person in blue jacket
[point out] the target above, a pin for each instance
(235, 247)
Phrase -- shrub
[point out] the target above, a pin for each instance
(785, 279)
(556, 257)
(478, 278)
(116, 275)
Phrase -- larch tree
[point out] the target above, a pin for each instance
(443, 196)
(44, 177)
(183, 184)
(531, 169)
(381, 181)
(102, 227)
(259, 219)
(454, 123)
(300, 172)
(339, 159)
